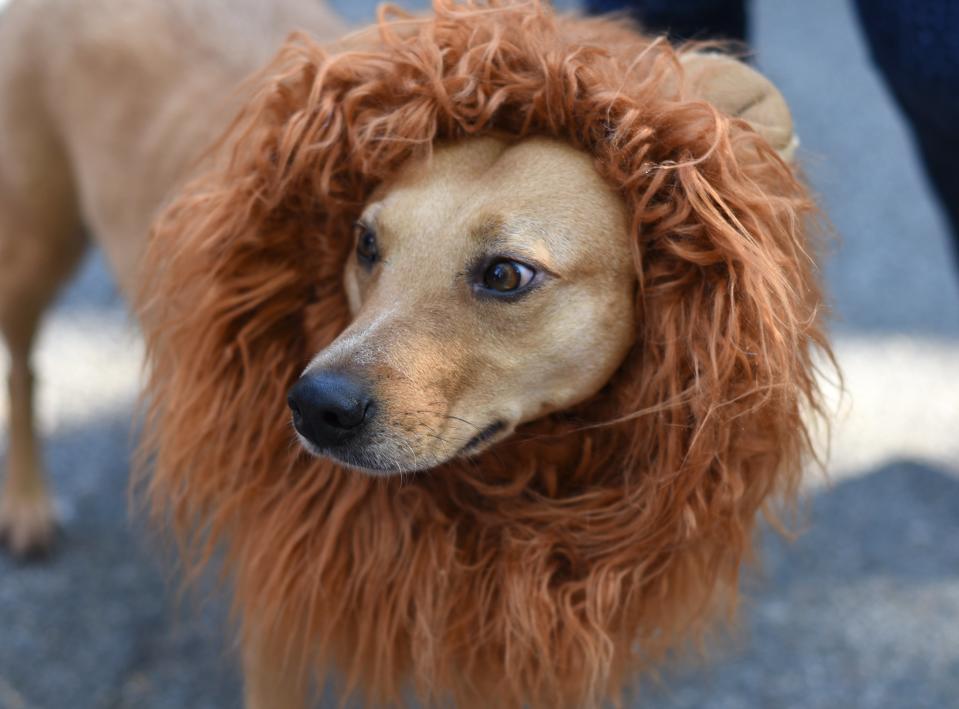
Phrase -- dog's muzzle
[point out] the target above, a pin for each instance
(330, 408)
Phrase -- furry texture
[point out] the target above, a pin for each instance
(592, 543)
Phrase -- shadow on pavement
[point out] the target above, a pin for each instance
(862, 610)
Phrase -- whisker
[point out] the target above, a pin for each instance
(469, 423)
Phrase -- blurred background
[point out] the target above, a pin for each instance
(861, 611)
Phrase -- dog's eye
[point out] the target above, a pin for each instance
(505, 276)
(366, 249)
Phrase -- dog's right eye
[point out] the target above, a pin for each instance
(505, 277)
(367, 251)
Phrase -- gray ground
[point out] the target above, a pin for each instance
(862, 610)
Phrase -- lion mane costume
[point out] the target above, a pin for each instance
(595, 542)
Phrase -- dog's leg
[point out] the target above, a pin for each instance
(26, 514)
(267, 686)
(29, 282)
(40, 244)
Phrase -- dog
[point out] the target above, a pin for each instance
(477, 341)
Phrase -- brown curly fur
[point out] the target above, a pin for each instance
(592, 543)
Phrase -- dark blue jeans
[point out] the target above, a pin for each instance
(683, 19)
(915, 44)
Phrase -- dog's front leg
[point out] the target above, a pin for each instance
(267, 684)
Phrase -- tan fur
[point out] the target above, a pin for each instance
(448, 364)
(106, 110)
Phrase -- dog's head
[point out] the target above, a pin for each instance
(490, 220)
(490, 284)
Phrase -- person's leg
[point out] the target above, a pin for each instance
(915, 44)
(683, 19)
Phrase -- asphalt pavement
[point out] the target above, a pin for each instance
(862, 610)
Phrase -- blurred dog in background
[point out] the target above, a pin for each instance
(557, 264)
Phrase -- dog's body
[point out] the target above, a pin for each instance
(492, 283)
(105, 108)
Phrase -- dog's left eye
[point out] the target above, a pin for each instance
(366, 248)
(507, 276)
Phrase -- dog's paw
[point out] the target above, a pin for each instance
(28, 526)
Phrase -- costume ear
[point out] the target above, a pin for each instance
(742, 92)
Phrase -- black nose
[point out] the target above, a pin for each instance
(329, 407)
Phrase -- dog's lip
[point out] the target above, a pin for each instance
(483, 436)
(361, 463)
(349, 460)
(308, 445)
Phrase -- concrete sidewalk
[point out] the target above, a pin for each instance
(863, 610)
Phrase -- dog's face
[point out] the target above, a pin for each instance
(489, 286)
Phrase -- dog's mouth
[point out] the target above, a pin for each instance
(482, 437)
(369, 464)
(357, 459)
(335, 415)
(375, 460)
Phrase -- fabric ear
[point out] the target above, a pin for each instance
(742, 92)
